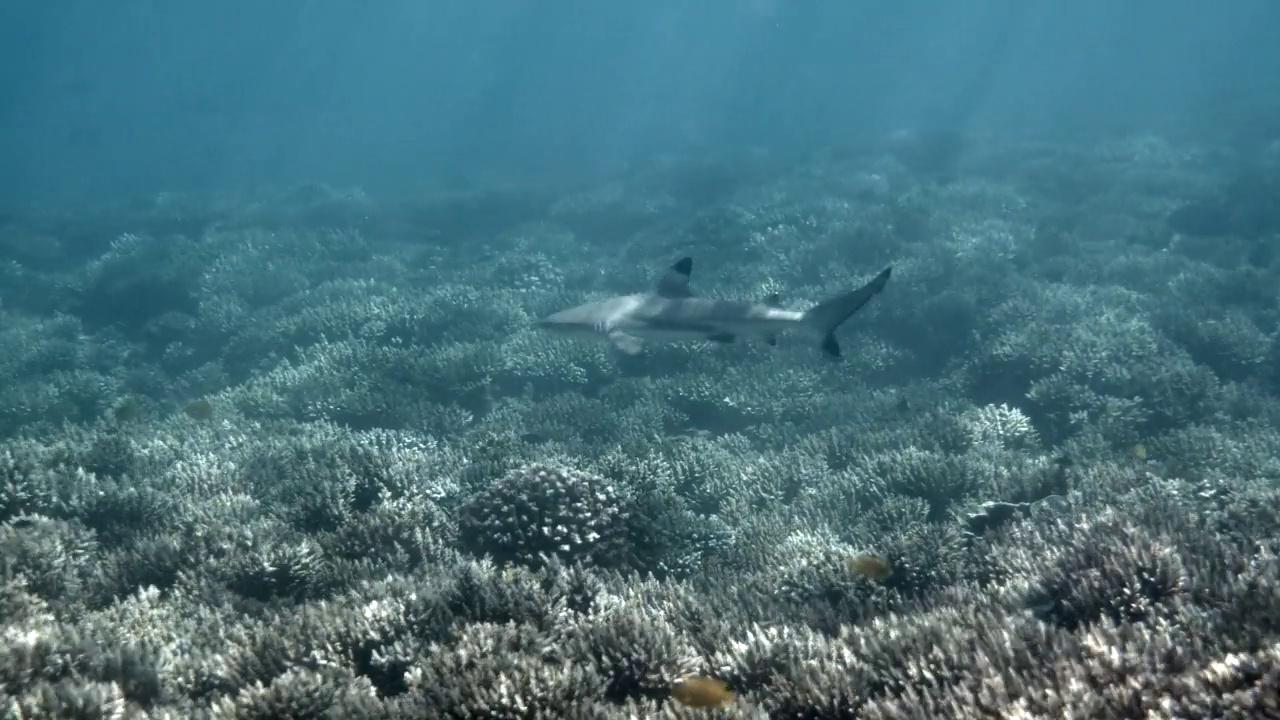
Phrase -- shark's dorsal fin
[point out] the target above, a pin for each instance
(675, 281)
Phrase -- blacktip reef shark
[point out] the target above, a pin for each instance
(671, 313)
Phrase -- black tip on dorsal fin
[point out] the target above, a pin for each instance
(675, 282)
(831, 347)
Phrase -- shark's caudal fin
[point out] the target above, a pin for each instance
(826, 316)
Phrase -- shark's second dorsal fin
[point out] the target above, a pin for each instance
(675, 282)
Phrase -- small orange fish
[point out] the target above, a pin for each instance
(698, 691)
(869, 566)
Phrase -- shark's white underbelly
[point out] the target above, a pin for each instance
(680, 330)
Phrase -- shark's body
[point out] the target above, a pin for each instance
(672, 314)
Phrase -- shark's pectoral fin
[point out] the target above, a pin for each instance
(629, 344)
(722, 337)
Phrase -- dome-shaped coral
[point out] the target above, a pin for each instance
(547, 510)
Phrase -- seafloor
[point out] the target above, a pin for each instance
(301, 455)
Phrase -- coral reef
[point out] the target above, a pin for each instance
(303, 455)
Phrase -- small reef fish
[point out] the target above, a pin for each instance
(200, 409)
(701, 692)
(871, 567)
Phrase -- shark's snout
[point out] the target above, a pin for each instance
(558, 323)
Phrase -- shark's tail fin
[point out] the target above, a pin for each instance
(826, 316)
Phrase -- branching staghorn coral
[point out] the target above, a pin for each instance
(377, 415)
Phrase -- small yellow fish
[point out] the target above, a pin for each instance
(1139, 452)
(200, 409)
(871, 567)
(701, 692)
